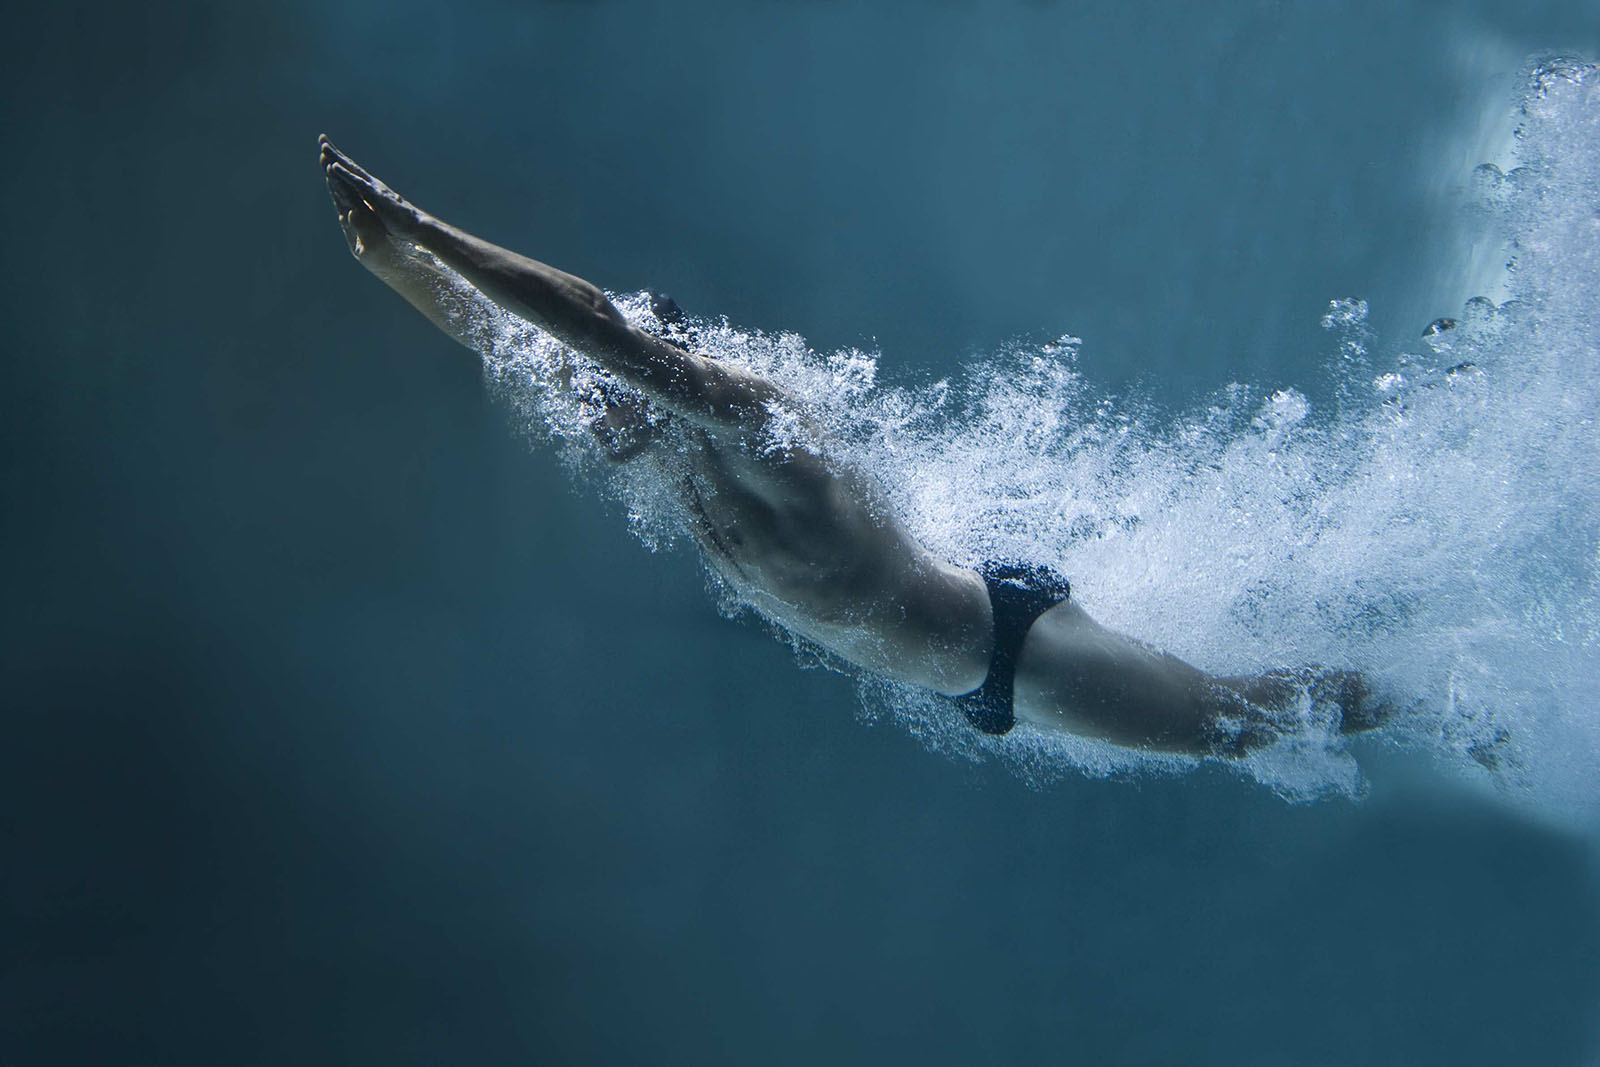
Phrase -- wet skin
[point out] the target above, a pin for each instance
(811, 546)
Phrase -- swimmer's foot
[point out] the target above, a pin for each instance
(1348, 691)
(1361, 710)
(1493, 753)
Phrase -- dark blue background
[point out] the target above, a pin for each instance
(339, 728)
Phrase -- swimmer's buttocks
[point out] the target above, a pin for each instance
(1018, 594)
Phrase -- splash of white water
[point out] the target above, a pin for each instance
(1438, 528)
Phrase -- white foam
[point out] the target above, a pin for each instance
(1437, 528)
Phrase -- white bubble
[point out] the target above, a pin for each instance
(1440, 532)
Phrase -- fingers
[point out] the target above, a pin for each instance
(346, 204)
(362, 227)
(397, 214)
(370, 188)
(354, 199)
(345, 198)
(353, 184)
(348, 180)
(354, 195)
(328, 153)
(369, 210)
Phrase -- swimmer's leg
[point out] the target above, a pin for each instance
(1082, 678)
(1076, 675)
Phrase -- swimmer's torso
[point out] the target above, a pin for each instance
(817, 551)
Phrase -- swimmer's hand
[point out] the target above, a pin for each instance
(369, 211)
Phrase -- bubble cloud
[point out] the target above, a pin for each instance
(1437, 527)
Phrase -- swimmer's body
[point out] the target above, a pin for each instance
(815, 548)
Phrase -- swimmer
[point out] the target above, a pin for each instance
(817, 549)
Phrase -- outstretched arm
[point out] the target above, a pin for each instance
(572, 310)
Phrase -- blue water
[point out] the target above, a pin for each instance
(343, 725)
